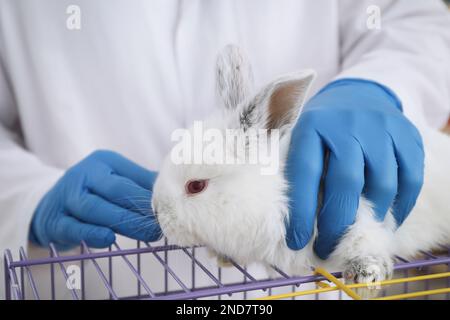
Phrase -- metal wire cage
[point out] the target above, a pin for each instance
(427, 277)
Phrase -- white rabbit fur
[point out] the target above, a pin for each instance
(241, 214)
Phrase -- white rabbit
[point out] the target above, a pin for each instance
(240, 213)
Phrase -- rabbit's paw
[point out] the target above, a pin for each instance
(368, 270)
(222, 261)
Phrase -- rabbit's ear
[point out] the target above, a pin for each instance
(234, 76)
(279, 104)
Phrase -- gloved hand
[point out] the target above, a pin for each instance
(103, 194)
(374, 150)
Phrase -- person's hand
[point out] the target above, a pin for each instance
(373, 150)
(101, 195)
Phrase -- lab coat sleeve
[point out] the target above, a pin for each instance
(24, 179)
(409, 53)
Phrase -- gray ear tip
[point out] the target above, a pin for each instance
(232, 54)
(231, 49)
(234, 78)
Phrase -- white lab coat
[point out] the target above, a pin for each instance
(136, 71)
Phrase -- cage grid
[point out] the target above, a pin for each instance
(18, 271)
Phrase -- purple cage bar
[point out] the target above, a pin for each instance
(15, 281)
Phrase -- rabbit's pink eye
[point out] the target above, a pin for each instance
(196, 186)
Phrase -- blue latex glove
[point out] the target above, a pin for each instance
(103, 194)
(374, 150)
